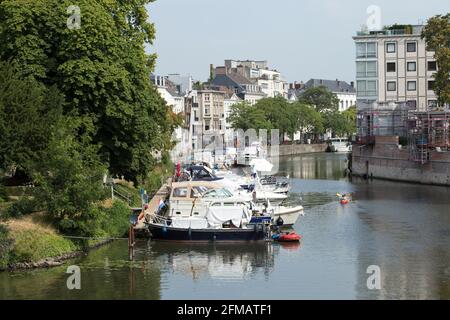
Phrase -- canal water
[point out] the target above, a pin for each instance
(404, 229)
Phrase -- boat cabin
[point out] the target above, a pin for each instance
(197, 198)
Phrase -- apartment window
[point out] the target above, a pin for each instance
(366, 50)
(391, 86)
(411, 47)
(390, 47)
(371, 50)
(207, 110)
(411, 85)
(207, 98)
(366, 88)
(372, 88)
(411, 66)
(431, 85)
(432, 66)
(366, 69)
(207, 125)
(390, 67)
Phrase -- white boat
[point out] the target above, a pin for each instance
(193, 200)
(340, 145)
(194, 212)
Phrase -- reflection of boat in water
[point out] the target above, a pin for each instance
(218, 260)
(339, 145)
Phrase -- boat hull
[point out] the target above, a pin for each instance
(289, 216)
(160, 232)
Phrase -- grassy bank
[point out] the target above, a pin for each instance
(29, 238)
(33, 238)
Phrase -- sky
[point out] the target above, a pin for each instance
(302, 39)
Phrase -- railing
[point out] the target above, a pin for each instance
(122, 194)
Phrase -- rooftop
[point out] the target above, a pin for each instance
(393, 30)
(335, 86)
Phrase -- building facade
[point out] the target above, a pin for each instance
(393, 65)
(258, 79)
(211, 127)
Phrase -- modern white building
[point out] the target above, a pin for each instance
(393, 65)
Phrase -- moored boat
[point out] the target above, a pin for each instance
(201, 211)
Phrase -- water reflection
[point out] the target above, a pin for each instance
(314, 166)
(224, 262)
(406, 233)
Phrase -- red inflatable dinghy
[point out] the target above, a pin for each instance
(344, 201)
(289, 237)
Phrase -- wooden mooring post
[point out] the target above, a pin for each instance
(131, 242)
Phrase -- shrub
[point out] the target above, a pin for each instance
(20, 208)
(3, 193)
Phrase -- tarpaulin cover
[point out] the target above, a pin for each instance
(218, 215)
(193, 223)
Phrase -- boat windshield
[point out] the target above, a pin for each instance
(218, 193)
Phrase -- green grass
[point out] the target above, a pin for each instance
(35, 244)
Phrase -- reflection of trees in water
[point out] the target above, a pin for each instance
(218, 261)
(106, 273)
(316, 166)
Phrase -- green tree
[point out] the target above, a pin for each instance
(278, 113)
(437, 36)
(307, 119)
(28, 110)
(69, 176)
(321, 98)
(245, 116)
(341, 123)
(101, 68)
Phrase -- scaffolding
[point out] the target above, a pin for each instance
(428, 131)
(382, 120)
(422, 131)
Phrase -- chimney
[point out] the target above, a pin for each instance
(352, 84)
(211, 72)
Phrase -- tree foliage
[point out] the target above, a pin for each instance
(291, 118)
(101, 69)
(27, 111)
(321, 98)
(245, 116)
(437, 36)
